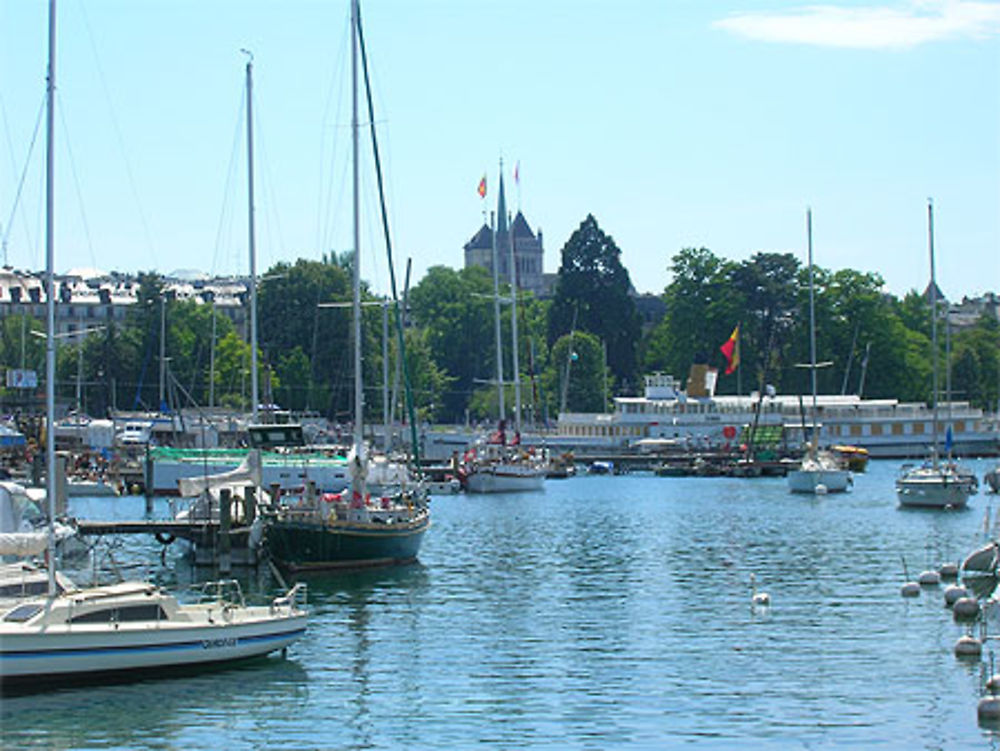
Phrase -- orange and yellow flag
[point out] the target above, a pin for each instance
(482, 187)
(731, 349)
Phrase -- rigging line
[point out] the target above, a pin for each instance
(325, 191)
(118, 134)
(271, 194)
(227, 187)
(24, 173)
(388, 245)
(76, 183)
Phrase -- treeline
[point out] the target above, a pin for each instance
(575, 351)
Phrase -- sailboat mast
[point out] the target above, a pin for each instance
(812, 329)
(358, 404)
(934, 315)
(496, 319)
(253, 247)
(50, 299)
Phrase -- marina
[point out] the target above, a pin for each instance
(609, 611)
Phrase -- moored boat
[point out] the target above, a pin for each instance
(136, 626)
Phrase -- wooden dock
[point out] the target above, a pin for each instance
(207, 537)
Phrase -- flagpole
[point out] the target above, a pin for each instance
(739, 371)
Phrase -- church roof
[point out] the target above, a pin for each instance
(940, 295)
(482, 239)
(520, 227)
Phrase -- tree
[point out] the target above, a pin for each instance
(702, 311)
(455, 309)
(593, 293)
(576, 372)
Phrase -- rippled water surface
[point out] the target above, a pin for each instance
(606, 612)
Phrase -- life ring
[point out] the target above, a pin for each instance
(164, 538)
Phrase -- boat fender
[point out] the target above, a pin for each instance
(164, 538)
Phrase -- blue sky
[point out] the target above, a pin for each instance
(677, 124)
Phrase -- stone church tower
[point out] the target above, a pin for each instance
(528, 251)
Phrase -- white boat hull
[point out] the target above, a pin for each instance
(505, 480)
(808, 480)
(83, 650)
(932, 493)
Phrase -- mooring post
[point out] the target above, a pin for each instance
(249, 504)
(147, 484)
(225, 519)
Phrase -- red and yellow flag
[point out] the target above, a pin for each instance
(731, 349)
(482, 187)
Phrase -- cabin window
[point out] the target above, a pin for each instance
(897, 428)
(855, 430)
(960, 426)
(132, 613)
(876, 429)
(918, 427)
(23, 613)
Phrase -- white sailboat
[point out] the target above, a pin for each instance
(493, 465)
(820, 471)
(68, 633)
(935, 484)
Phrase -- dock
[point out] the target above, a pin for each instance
(209, 541)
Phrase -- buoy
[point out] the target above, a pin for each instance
(993, 684)
(762, 599)
(968, 646)
(953, 594)
(929, 578)
(965, 608)
(948, 570)
(910, 589)
(821, 489)
(988, 709)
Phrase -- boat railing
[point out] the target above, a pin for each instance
(226, 591)
(295, 598)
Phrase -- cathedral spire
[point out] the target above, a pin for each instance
(501, 206)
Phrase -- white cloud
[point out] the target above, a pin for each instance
(897, 26)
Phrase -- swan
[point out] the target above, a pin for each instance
(758, 598)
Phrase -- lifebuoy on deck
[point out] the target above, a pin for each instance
(164, 538)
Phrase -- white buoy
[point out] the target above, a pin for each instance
(953, 593)
(910, 589)
(993, 684)
(968, 646)
(821, 489)
(965, 608)
(761, 599)
(929, 578)
(988, 709)
(948, 570)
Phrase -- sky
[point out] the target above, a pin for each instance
(680, 123)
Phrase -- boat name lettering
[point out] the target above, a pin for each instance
(218, 643)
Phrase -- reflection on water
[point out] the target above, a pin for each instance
(604, 612)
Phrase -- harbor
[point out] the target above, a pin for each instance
(606, 610)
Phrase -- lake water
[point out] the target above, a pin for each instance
(605, 612)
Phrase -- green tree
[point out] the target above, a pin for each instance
(577, 373)
(593, 293)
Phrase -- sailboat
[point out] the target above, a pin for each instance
(494, 464)
(69, 633)
(820, 471)
(935, 484)
(381, 517)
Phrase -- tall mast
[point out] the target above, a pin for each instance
(509, 234)
(50, 301)
(253, 248)
(934, 314)
(358, 404)
(812, 329)
(496, 318)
